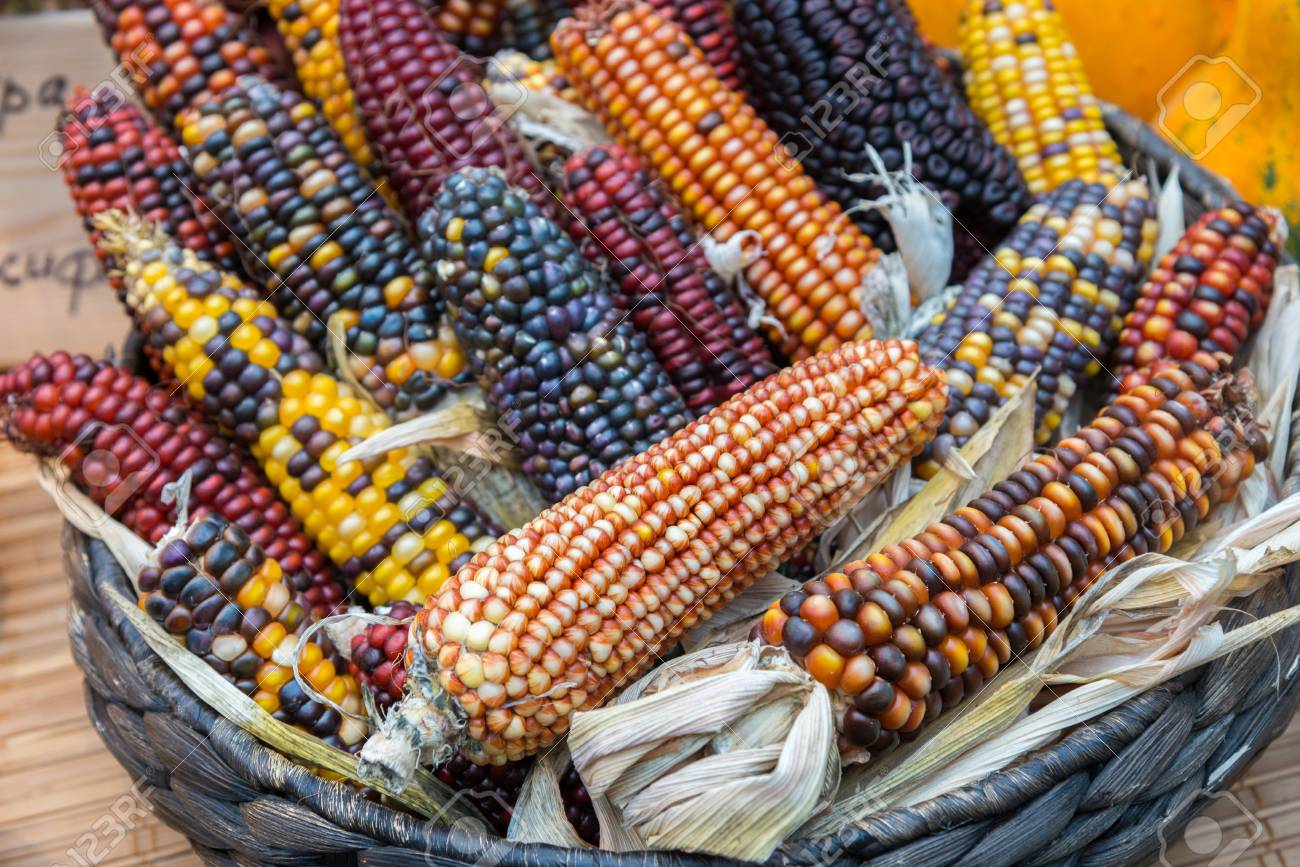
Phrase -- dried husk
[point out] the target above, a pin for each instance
(538, 815)
(681, 761)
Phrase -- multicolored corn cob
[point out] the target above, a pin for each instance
(1207, 294)
(424, 108)
(692, 321)
(1051, 298)
(324, 241)
(527, 25)
(588, 593)
(570, 378)
(710, 26)
(115, 157)
(125, 440)
(473, 26)
(377, 654)
(216, 591)
(1024, 77)
(834, 79)
(310, 29)
(913, 629)
(390, 524)
(661, 98)
(182, 53)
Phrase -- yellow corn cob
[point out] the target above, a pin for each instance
(557, 616)
(310, 29)
(1024, 77)
(390, 523)
(660, 97)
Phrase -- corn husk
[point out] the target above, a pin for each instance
(538, 815)
(1170, 213)
(679, 763)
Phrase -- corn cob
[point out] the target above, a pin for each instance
(660, 97)
(913, 629)
(182, 53)
(527, 25)
(709, 25)
(310, 29)
(835, 79)
(1207, 294)
(323, 241)
(115, 157)
(390, 524)
(424, 109)
(375, 656)
(219, 593)
(125, 441)
(691, 320)
(558, 615)
(566, 373)
(1024, 77)
(1051, 298)
(473, 26)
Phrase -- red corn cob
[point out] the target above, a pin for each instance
(125, 440)
(115, 157)
(708, 23)
(692, 321)
(425, 112)
(182, 53)
(1207, 294)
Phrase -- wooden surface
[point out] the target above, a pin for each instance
(61, 788)
(44, 254)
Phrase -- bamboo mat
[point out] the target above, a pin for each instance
(60, 789)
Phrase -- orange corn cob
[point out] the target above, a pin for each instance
(559, 615)
(659, 96)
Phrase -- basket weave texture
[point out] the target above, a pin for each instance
(1109, 793)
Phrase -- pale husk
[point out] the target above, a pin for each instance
(682, 761)
(538, 815)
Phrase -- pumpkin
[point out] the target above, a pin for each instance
(1130, 50)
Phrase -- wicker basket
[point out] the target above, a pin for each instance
(1108, 793)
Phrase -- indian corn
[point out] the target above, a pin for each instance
(691, 319)
(1024, 77)
(572, 381)
(473, 26)
(324, 241)
(389, 523)
(310, 29)
(1051, 298)
(1208, 293)
(710, 26)
(230, 604)
(660, 97)
(557, 616)
(527, 24)
(913, 629)
(834, 79)
(116, 157)
(182, 53)
(424, 108)
(125, 440)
